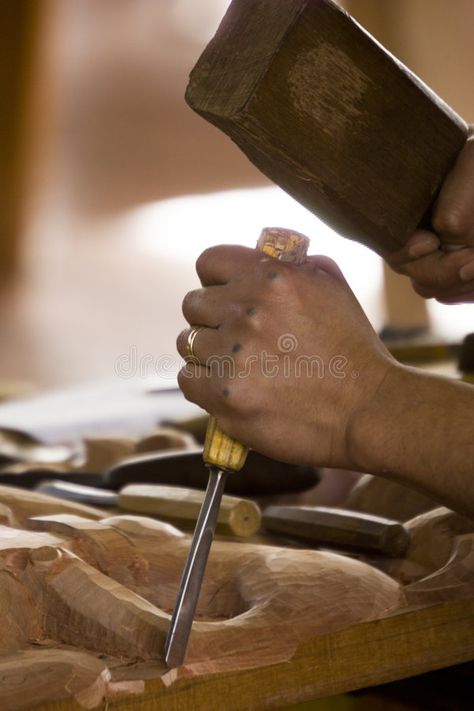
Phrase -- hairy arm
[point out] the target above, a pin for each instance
(419, 430)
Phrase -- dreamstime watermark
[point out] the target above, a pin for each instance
(132, 365)
(284, 362)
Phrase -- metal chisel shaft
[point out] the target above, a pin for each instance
(191, 580)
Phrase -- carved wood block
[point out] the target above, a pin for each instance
(86, 605)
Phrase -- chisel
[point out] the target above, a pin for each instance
(222, 455)
(176, 504)
(325, 526)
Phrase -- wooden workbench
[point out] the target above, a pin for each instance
(400, 646)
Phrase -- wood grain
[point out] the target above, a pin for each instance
(338, 528)
(330, 116)
(181, 506)
(274, 625)
(373, 653)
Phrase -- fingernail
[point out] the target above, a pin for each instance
(422, 246)
(466, 273)
(449, 248)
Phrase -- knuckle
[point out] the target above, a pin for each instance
(289, 286)
(398, 261)
(431, 277)
(250, 320)
(204, 258)
(422, 290)
(240, 316)
(414, 272)
(244, 401)
(188, 305)
(181, 342)
(322, 263)
(183, 380)
(452, 223)
(272, 265)
(400, 268)
(277, 276)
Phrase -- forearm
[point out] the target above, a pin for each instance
(419, 430)
(391, 421)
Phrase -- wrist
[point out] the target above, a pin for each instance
(373, 426)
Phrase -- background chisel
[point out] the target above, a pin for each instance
(175, 504)
(324, 526)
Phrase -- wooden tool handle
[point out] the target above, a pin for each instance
(337, 528)
(181, 506)
(219, 449)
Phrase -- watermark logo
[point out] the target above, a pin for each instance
(284, 361)
(287, 343)
(132, 365)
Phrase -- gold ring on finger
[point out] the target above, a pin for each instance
(190, 355)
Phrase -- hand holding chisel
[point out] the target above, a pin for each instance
(221, 454)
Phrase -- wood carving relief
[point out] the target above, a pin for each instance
(86, 599)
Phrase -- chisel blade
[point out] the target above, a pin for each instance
(191, 580)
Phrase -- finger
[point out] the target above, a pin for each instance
(453, 216)
(456, 294)
(219, 265)
(205, 306)
(420, 244)
(467, 272)
(438, 271)
(206, 343)
(199, 388)
(464, 299)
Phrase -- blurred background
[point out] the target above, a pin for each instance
(111, 186)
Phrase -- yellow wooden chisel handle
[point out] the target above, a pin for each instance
(220, 450)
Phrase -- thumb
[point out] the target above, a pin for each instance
(326, 264)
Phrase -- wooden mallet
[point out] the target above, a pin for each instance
(328, 114)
